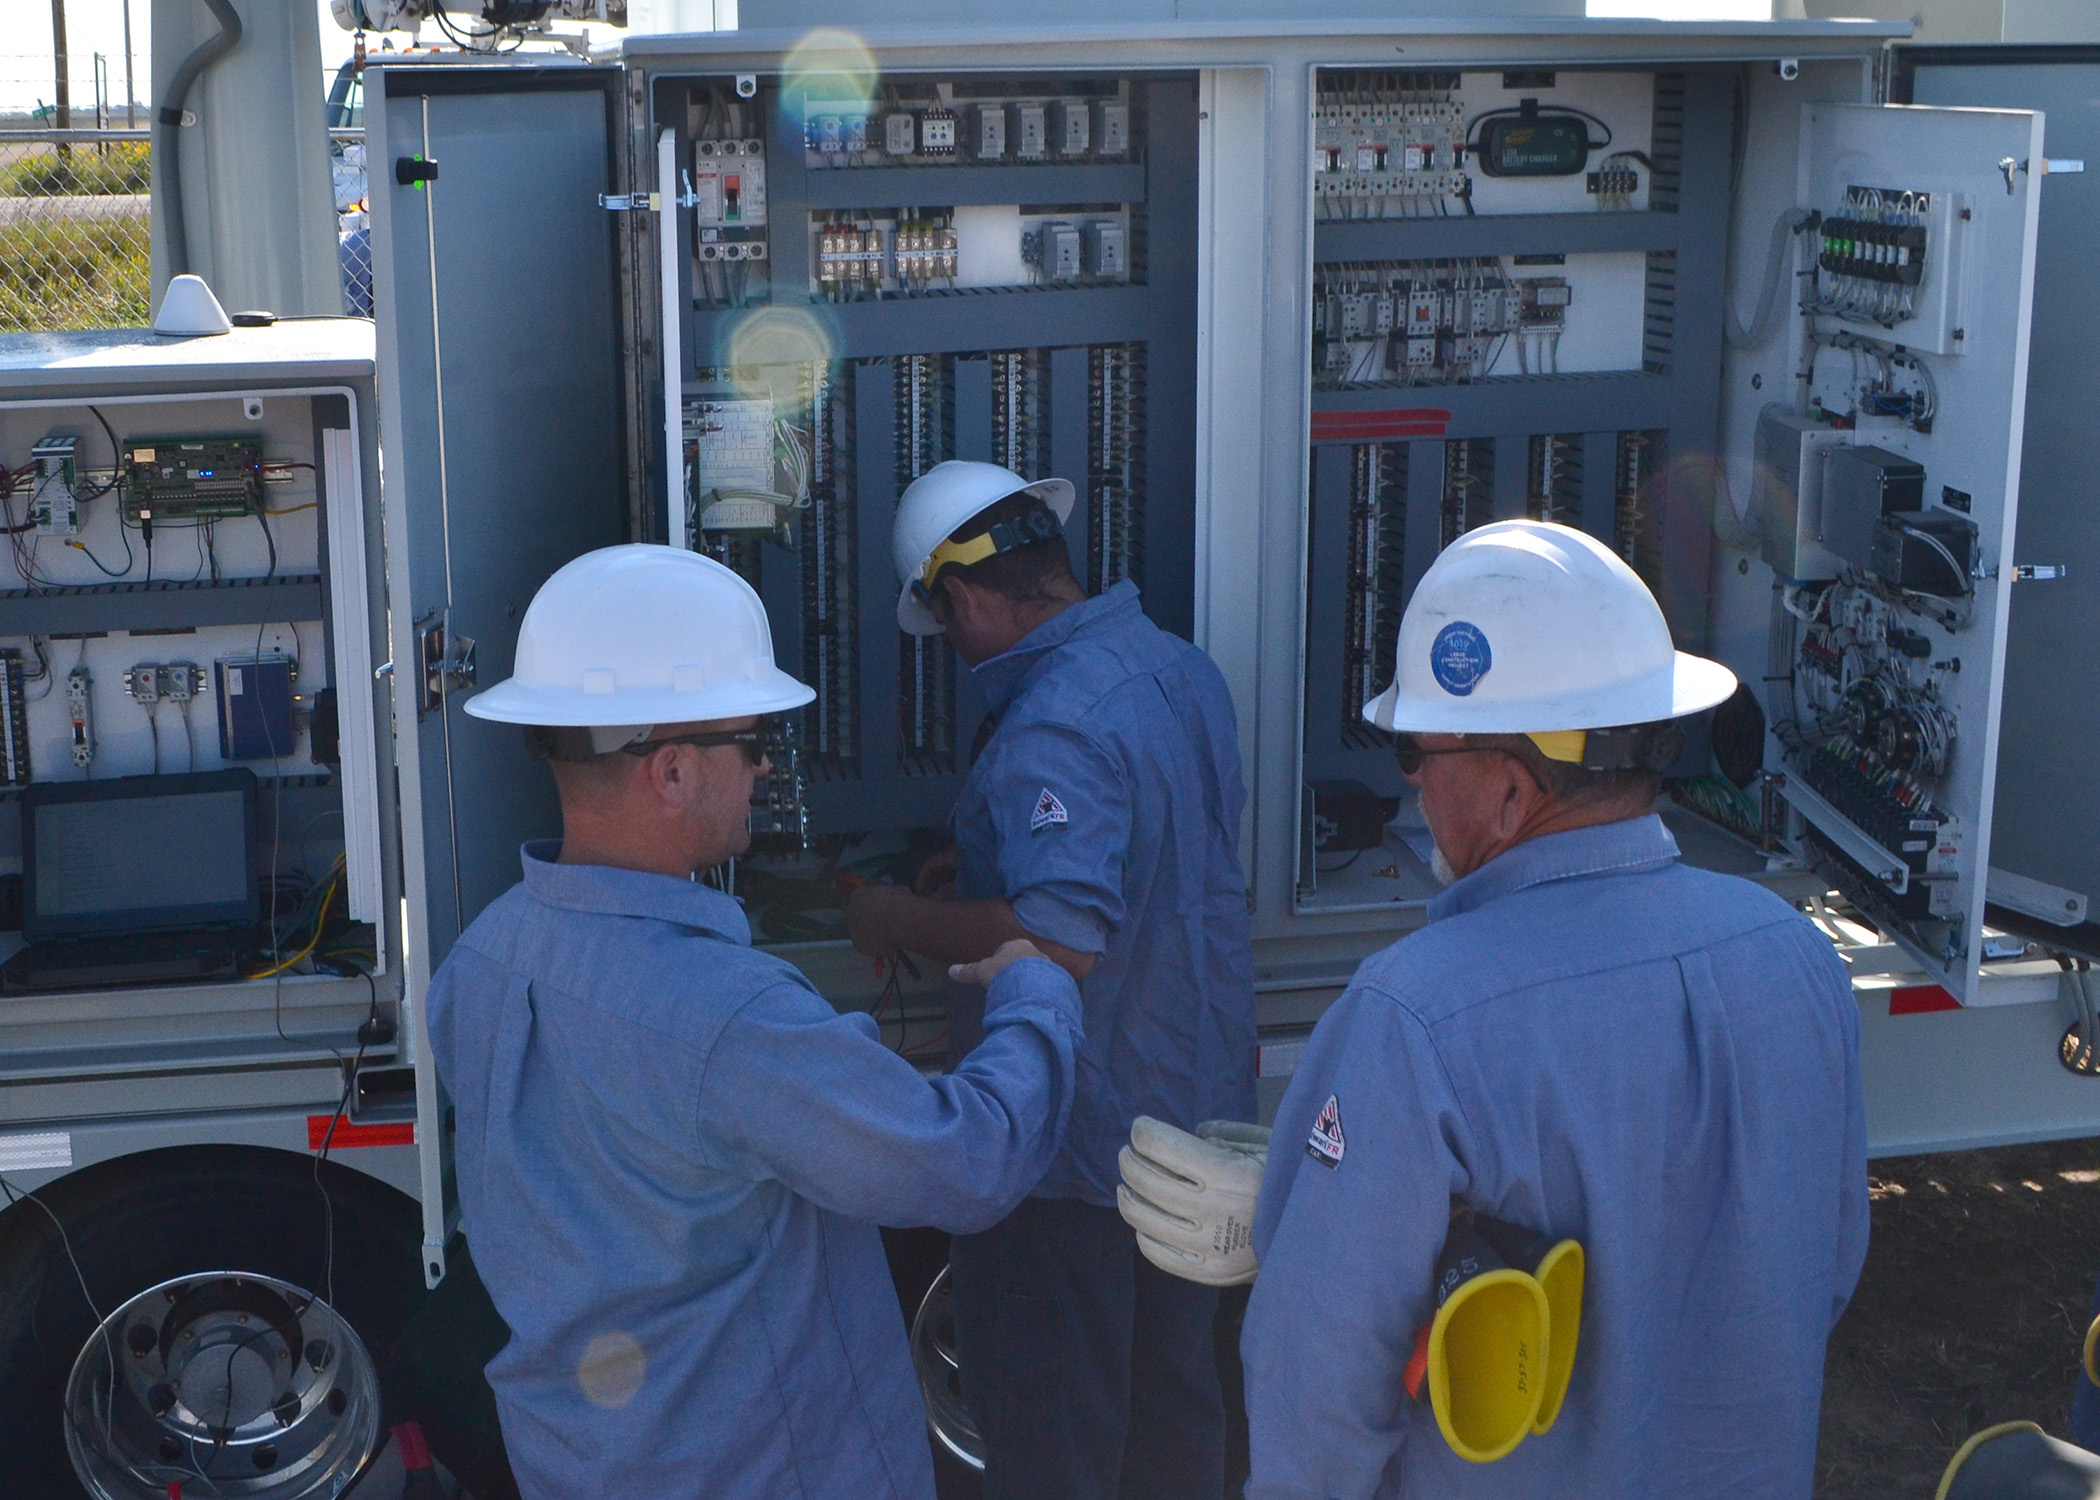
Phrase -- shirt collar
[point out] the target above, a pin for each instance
(606, 891)
(1601, 849)
(1001, 676)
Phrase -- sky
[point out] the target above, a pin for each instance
(26, 76)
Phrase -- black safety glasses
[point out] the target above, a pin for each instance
(751, 741)
(1409, 752)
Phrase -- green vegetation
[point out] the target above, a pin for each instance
(119, 167)
(91, 269)
(74, 273)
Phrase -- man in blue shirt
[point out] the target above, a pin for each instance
(1100, 820)
(1588, 1040)
(672, 1152)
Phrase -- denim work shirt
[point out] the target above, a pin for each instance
(1594, 1041)
(1106, 809)
(672, 1155)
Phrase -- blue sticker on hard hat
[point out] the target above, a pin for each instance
(1459, 658)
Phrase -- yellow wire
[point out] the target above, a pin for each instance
(290, 510)
(320, 921)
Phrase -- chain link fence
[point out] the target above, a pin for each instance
(75, 229)
(75, 200)
(353, 224)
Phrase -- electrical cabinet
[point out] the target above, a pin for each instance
(191, 610)
(1292, 319)
(1884, 485)
(899, 302)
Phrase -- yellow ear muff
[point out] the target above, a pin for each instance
(1560, 1274)
(1488, 1355)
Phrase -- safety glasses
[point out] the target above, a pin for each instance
(1409, 752)
(751, 741)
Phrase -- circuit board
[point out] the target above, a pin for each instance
(181, 479)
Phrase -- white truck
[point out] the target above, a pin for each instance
(1293, 303)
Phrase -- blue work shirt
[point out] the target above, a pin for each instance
(672, 1155)
(1594, 1041)
(1106, 809)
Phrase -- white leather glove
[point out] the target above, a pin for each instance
(1191, 1197)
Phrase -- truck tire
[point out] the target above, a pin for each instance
(146, 1219)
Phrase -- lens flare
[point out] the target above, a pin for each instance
(769, 337)
(833, 66)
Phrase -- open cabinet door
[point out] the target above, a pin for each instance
(500, 373)
(1889, 510)
(2045, 839)
(503, 456)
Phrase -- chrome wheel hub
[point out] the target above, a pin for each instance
(227, 1384)
(940, 1378)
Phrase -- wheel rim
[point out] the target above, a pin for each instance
(231, 1383)
(940, 1381)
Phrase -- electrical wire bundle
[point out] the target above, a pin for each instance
(1719, 800)
(1905, 731)
(2080, 1048)
(1874, 386)
(309, 917)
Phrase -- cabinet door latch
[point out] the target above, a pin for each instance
(446, 662)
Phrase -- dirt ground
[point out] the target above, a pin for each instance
(1972, 1310)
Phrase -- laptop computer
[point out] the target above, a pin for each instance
(139, 880)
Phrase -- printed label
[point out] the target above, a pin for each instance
(1048, 811)
(1325, 1144)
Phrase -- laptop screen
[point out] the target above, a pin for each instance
(140, 854)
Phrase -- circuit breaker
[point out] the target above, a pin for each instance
(991, 131)
(1028, 131)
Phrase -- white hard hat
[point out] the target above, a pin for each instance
(939, 501)
(641, 635)
(1527, 627)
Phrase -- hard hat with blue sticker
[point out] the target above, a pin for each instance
(1459, 658)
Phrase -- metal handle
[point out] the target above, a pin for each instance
(2065, 165)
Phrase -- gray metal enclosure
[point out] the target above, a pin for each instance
(504, 417)
(2048, 817)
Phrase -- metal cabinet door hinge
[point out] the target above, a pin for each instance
(630, 203)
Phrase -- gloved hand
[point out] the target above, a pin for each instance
(1191, 1197)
